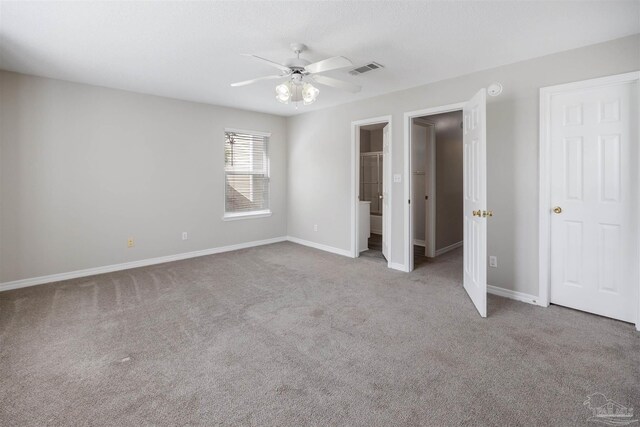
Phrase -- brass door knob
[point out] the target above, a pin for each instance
(487, 213)
(557, 209)
(477, 213)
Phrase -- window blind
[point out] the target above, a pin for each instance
(246, 167)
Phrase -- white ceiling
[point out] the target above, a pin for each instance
(191, 50)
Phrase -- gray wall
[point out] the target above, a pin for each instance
(370, 140)
(365, 141)
(449, 195)
(83, 168)
(376, 140)
(320, 141)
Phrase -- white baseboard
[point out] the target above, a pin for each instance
(320, 246)
(515, 295)
(417, 242)
(448, 248)
(23, 283)
(326, 248)
(398, 266)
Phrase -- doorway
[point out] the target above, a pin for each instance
(589, 226)
(437, 186)
(371, 188)
(474, 177)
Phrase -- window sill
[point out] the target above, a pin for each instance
(246, 215)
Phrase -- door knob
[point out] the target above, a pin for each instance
(487, 213)
(477, 213)
(557, 209)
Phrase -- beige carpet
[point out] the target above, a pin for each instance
(288, 335)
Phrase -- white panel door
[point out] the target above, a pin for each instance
(385, 190)
(593, 226)
(475, 200)
(430, 191)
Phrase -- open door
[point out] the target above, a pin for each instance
(385, 190)
(475, 200)
(430, 192)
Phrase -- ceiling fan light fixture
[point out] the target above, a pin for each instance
(309, 93)
(297, 70)
(283, 92)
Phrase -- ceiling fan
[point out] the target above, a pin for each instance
(299, 72)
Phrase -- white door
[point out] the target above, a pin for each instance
(430, 191)
(475, 200)
(593, 226)
(385, 190)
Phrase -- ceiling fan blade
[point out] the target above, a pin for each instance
(340, 84)
(248, 82)
(328, 65)
(272, 63)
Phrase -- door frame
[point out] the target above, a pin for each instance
(544, 175)
(408, 188)
(430, 204)
(355, 183)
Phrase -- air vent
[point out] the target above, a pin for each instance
(365, 68)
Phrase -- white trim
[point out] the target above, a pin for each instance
(246, 215)
(515, 295)
(320, 246)
(397, 266)
(249, 132)
(544, 178)
(355, 183)
(408, 217)
(448, 248)
(23, 283)
(417, 242)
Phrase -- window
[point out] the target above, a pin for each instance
(246, 174)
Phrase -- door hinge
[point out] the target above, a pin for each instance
(409, 201)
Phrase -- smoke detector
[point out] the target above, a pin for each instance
(494, 89)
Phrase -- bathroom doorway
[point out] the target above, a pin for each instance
(371, 185)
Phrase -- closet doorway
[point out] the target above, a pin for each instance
(437, 187)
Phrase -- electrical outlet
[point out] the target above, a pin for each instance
(185, 236)
(315, 227)
(493, 261)
(130, 242)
